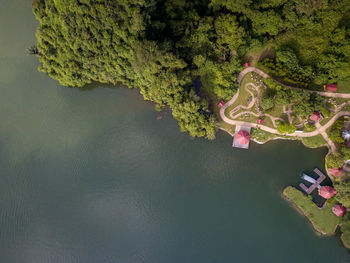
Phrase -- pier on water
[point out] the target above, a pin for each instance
(315, 182)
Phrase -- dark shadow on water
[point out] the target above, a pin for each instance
(94, 85)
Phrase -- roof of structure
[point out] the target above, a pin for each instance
(243, 137)
(334, 171)
(339, 210)
(331, 87)
(316, 116)
(327, 192)
(221, 103)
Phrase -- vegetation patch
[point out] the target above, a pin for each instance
(323, 220)
(314, 142)
(261, 135)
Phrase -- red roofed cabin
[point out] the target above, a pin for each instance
(331, 87)
(259, 121)
(334, 172)
(339, 210)
(316, 116)
(327, 192)
(221, 103)
(247, 64)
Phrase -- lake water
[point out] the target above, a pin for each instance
(94, 176)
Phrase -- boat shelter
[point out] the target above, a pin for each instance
(315, 183)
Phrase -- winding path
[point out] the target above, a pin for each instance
(265, 75)
(251, 104)
(319, 128)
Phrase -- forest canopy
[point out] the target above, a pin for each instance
(161, 46)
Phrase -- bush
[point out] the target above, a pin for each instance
(266, 103)
(343, 189)
(270, 83)
(334, 160)
(325, 112)
(284, 127)
(309, 127)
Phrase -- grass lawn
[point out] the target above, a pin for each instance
(228, 127)
(277, 111)
(255, 55)
(314, 142)
(243, 96)
(262, 136)
(325, 120)
(323, 220)
(343, 87)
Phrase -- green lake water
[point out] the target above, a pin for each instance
(94, 176)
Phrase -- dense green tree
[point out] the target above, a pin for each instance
(282, 96)
(268, 22)
(308, 7)
(343, 189)
(229, 34)
(266, 103)
(160, 47)
(334, 160)
(232, 5)
(303, 109)
(299, 95)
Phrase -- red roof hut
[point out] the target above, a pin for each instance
(259, 121)
(335, 172)
(243, 137)
(247, 64)
(316, 116)
(339, 210)
(331, 87)
(327, 192)
(221, 103)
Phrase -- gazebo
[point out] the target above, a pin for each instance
(247, 64)
(259, 121)
(243, 137)
(327, 192)
(316, 116)
(335, 172)
(339, 210)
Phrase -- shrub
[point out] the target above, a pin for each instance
(284, 127)
(325, 112)
(266, 103)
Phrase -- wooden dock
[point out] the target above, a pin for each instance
(314, 185)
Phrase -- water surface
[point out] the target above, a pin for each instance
(93, 176)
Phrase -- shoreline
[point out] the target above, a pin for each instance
(291, 202)
(301, 212)
(290, 139)
(316, 231)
